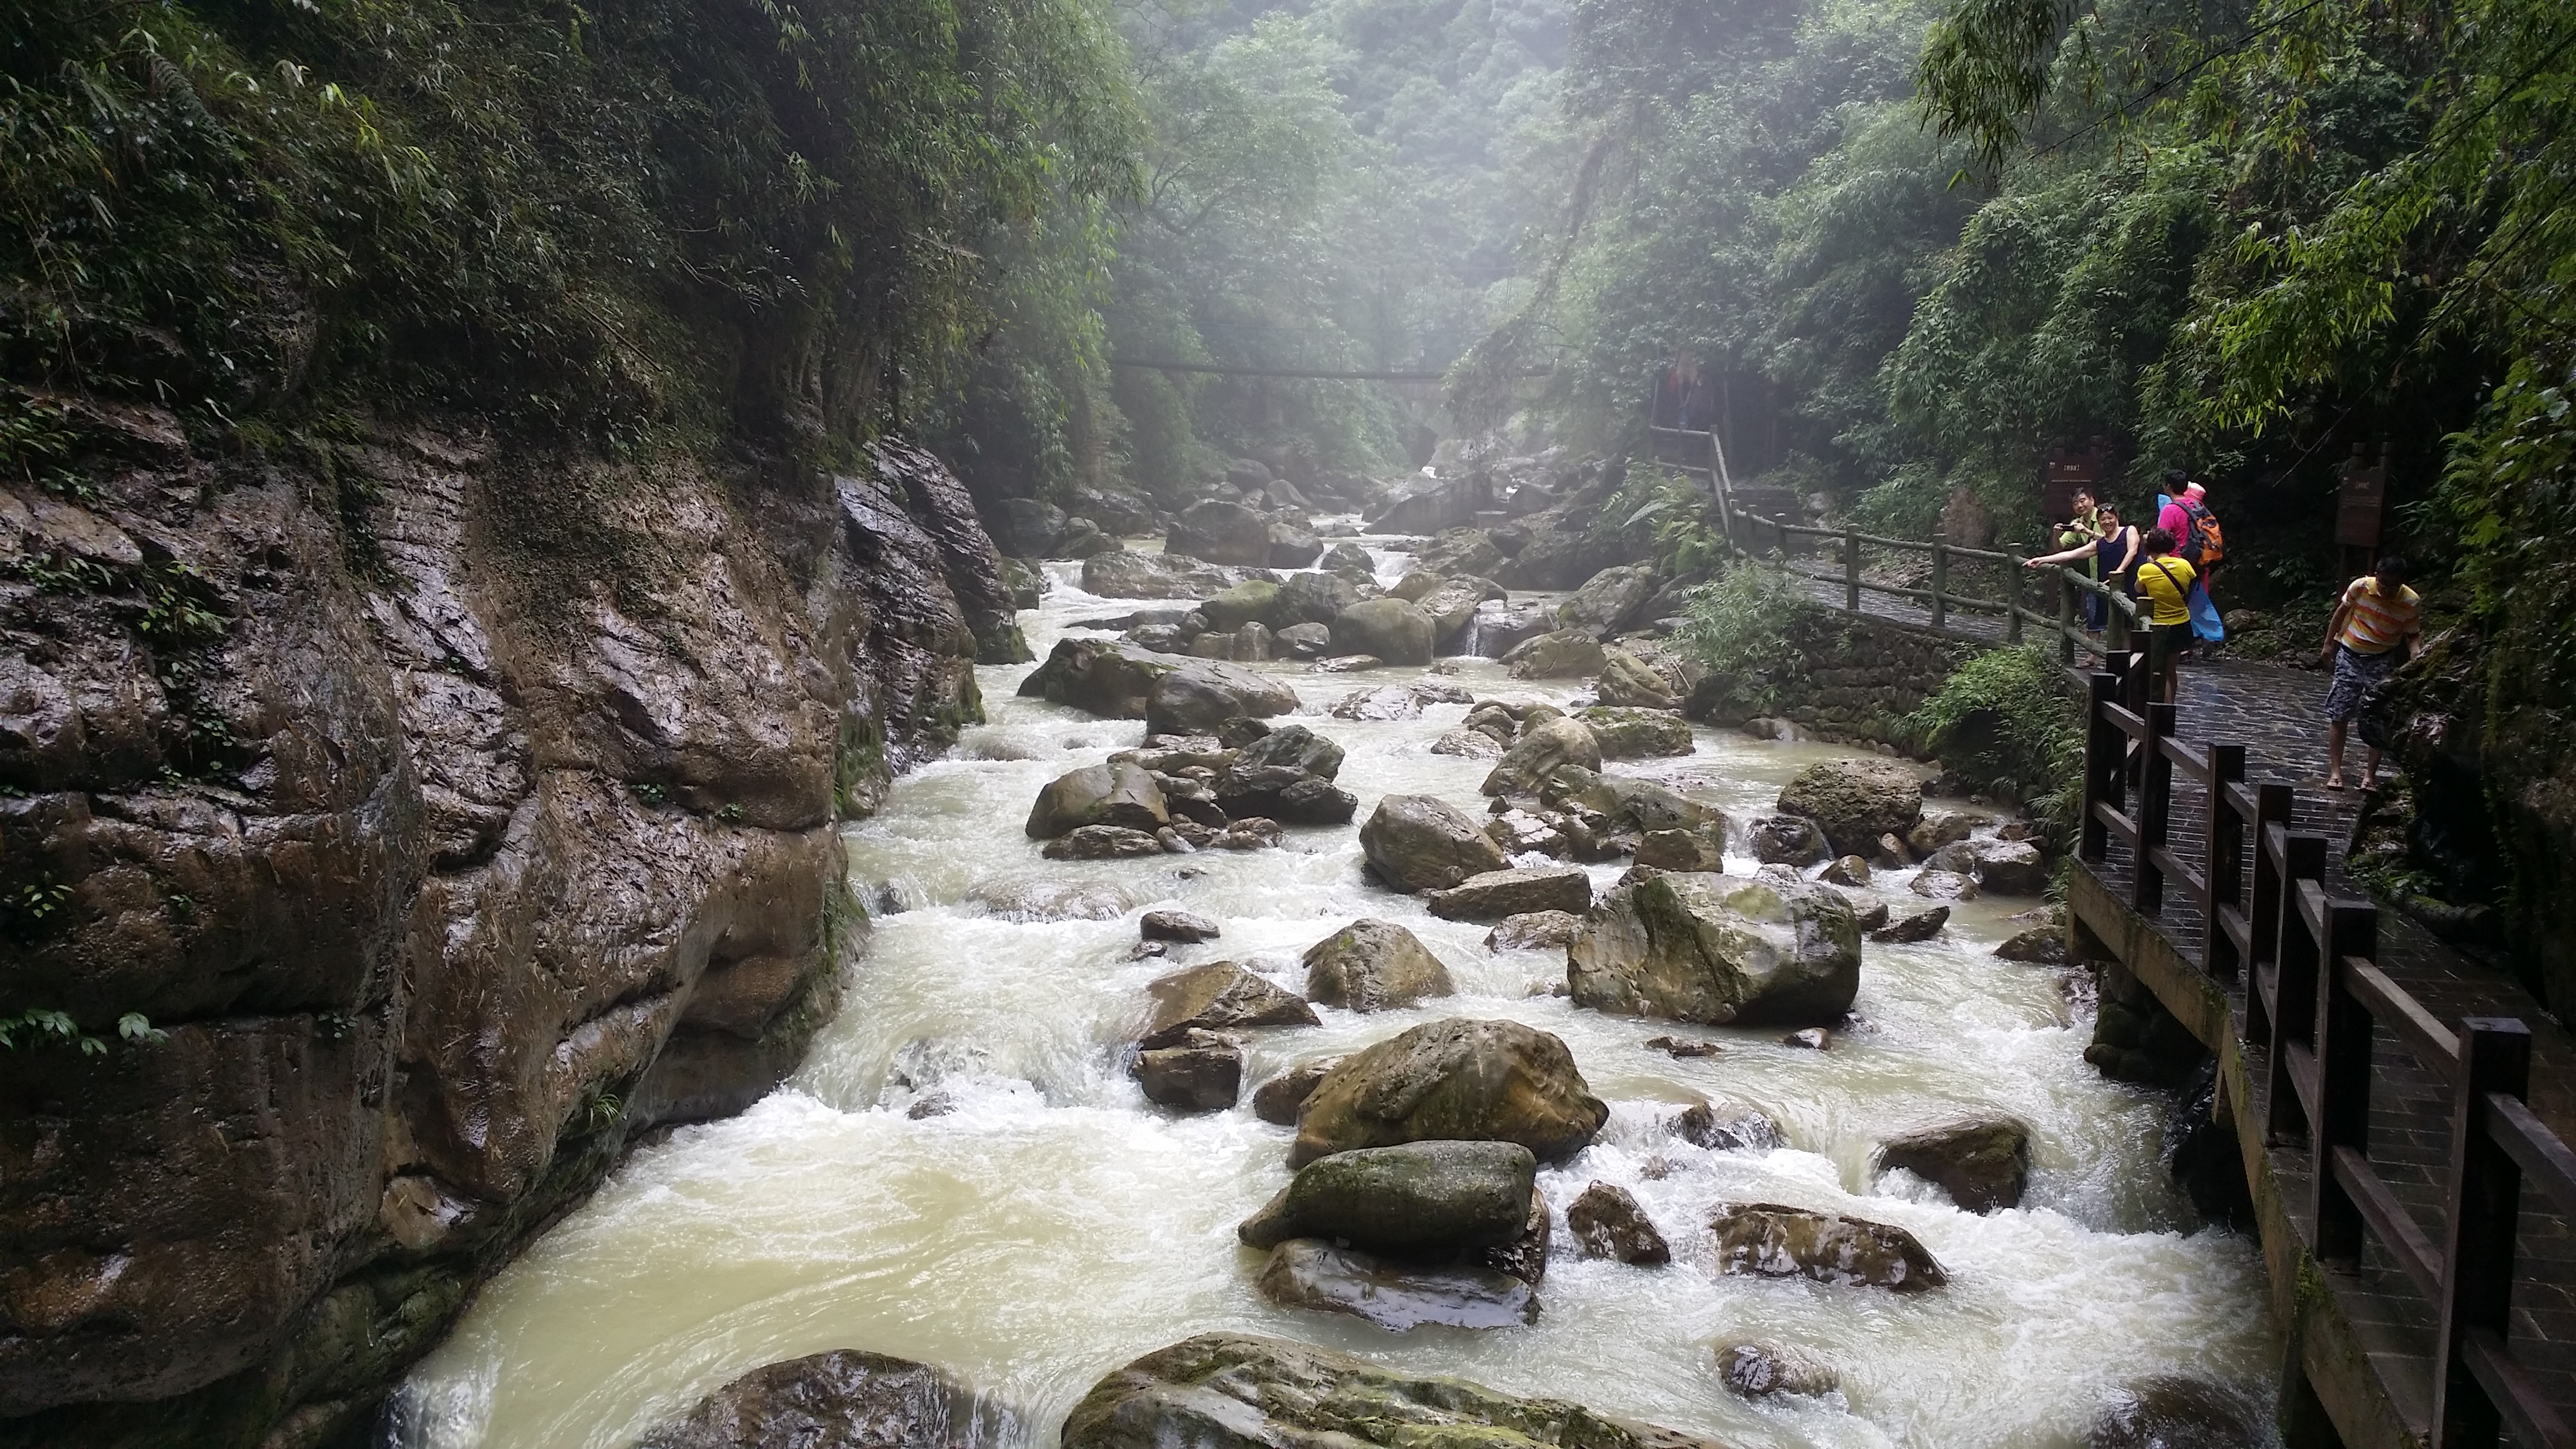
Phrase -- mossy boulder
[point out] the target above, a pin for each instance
(1982, 1159)
(1496, 1081)
(1624, 733)
(1217, 996)
(1372, 965)
(1118, 792)
(1712, 949)
(1421, 843)
(1220, 533)
(1774, 1241)
(1418, 1198)
(1564, 654)
(1856, 801)
(1254, 601)
(1389, 629)
(1539, 753)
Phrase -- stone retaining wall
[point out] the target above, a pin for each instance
(1853, 678)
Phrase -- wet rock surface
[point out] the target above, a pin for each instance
(1215, 997)
(1495, 894)
(1310, 1274)
(1468, 1080)
(1774, 1241)
(1415, 1198)
(1854, 802)
(1373, 965)
(1713, 949)
(1279, 1100)
(845, 1399)
(1607, 1223)
(1421, 843)
(331, 866)
(1982, 1160)
(2172, 1412)
(1757, 1370)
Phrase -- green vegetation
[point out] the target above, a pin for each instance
(36, 1028)
(652, 224)
(1742, 625)
(2007, 715)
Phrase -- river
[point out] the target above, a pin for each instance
(1054, 1225)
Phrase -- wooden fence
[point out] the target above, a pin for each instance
(1951, 573)
(2316, 1000)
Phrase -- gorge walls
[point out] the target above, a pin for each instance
(453, 810)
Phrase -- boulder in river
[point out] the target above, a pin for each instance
(1856, 801)
(844, 1399)
(1565, 654)
(2010, 868)
(1234, 1391)
(1038, 899)
(1787, 840)
(1782, 1242)
(1217, 996)
(1434, 1198)
(1117, 792)
(1204, 693)
(1711, 949)
(1608, 1223)
(1943, 885)
(1849, 870)
(1390, 629)
(1279, 1100)
(1981, 1159)
(1534, 931)
(1421, 843)
(1302, 641)
(1186, 927)
(1758, 1370)
(1287, 775)
(1102, 842)
(1121, 574)
(1471, 1080)
(2173, 1412)
(1499, 628)
(1312, 1274)
(1292, 547)
(1254, 601)
(1629, 682)
(1348, 557)
(1494, 894)
(1541, 751)
(1921, 926)
(1106, 677)
(1316, 599)
(1203, 1073)
(1608, 600)
(1452, 609)
(1724, 1124)
(1468, 744)
(2037, 946)
(1637, 734)
(1221, 533)
(1372, 965)
(1939, 828)
(1688, 851)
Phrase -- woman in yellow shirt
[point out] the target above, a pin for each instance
(2164, 581)
(2374, 630)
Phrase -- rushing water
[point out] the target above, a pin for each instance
(1054, 1225)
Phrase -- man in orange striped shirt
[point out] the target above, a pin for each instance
(2375, 629)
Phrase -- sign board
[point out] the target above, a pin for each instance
(2068, 473)
(2361, 500)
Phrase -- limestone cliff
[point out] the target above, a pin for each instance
(454, 810)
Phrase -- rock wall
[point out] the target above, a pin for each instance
(1851, 678)
(454, 811)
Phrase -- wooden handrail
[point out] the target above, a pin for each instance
(2317, 998)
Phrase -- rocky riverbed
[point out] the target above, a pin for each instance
(967, 1174)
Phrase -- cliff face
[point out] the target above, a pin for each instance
(455, 811)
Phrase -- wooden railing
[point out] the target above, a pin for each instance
(1848, 551)
(2316, 1000)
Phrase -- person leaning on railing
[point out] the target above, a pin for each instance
(2111, 551)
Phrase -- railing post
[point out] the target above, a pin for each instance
(2118, 610)
(2477, 1240)
(1851, 571)
(1940, 584)
(2223, 860)
(2013, 592)
(2065, 618)
(2155, 806)
(2294, 1001)
(2343, 1031)
(2102, 752)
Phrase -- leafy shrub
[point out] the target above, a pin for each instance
(1740, 625)
(2007, 715)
